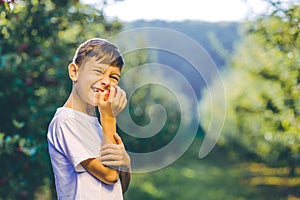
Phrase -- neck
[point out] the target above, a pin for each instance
(74, 103)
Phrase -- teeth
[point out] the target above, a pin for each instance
(95, 90)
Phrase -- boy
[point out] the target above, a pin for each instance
(75, 135)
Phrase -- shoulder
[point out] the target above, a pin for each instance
(68, 123)
(69, 120)
(64, 113)
(65, 116)
(62, 122)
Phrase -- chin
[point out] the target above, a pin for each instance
(91, 100)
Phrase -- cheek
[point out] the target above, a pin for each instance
(84, 86)
(89, 81)
(113, 84)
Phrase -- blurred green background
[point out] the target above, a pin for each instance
(258, 153)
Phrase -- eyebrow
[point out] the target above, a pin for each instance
(98, 67)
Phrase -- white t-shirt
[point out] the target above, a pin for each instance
(72, 138)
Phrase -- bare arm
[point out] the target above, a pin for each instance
(125, 177)
(93, 165)
(97, 169)
(102, 170)
(108, 124)
(115, 156)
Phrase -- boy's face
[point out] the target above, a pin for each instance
(94, 77)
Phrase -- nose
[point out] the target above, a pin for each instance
(105, 81)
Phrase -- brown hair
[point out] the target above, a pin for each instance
(104, 51)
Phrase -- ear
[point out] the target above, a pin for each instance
(73, 71)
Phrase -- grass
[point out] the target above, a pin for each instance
(218, 176)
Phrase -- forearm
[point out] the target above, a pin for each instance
(117, 157)
(94, 166)
(101, 172)
(125, 177)
(108, 124)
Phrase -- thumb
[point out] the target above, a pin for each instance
(111, 94)
(103, 95)
(118, 139)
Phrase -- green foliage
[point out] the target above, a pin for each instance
(37, 40)
(216, 177)
(142, 62)
(263, 89)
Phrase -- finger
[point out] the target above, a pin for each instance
(110, 146)
(118, 139)
(112, 163)
(111, 158)
(120, 107)
(123, 103)
(106, 95)
(117, 90)
(102, 95)
(111, 94)
(119, 102)
(120, 95)
(111, 152)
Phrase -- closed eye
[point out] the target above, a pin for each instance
(98, 71)
(115, 77)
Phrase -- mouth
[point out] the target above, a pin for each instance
(95, 89)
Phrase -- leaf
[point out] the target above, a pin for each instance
(18, 124)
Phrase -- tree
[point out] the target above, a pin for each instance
(263, 88)
(159, 110)
(37, 40)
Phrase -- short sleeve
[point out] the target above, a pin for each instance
(78, 141)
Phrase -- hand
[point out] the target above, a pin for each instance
(111, 104)
(115, 155)
(118, 100)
